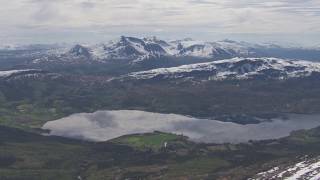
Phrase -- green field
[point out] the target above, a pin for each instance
(155, 141)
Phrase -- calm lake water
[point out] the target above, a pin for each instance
(106, 125)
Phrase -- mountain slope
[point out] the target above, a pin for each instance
(236, 68)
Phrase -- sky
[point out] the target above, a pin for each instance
(57, 21)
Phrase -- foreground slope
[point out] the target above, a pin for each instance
(143, 156)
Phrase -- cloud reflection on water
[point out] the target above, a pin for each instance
(105, 125)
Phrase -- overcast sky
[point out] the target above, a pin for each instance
(47, 21)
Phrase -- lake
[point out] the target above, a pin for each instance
(105, 125)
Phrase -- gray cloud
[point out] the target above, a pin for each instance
(182, 17)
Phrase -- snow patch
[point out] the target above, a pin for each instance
(4, 74)
(306, 169)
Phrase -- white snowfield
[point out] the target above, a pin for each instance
(4, 74)
(308, 169)
(235, 68)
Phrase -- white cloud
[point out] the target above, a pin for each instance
(25, 18)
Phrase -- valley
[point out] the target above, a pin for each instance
(150, 109)
(143, 156)
(159, 90)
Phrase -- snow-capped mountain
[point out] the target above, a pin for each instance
(235, 68)
(226, 48)
(127, 48)
(142, 49)
(137, 50)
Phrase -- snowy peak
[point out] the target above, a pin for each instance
(124, 48)
(79, 50)
(142, 49)
(219, 49)
(137, 49)
(236, 68)
(155, 40)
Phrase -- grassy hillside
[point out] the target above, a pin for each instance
(30, 156)
(155, 141)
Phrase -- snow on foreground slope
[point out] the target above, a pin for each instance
(236, 68)
(106, 125)
(307, 169)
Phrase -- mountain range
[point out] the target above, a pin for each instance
(139, 50)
